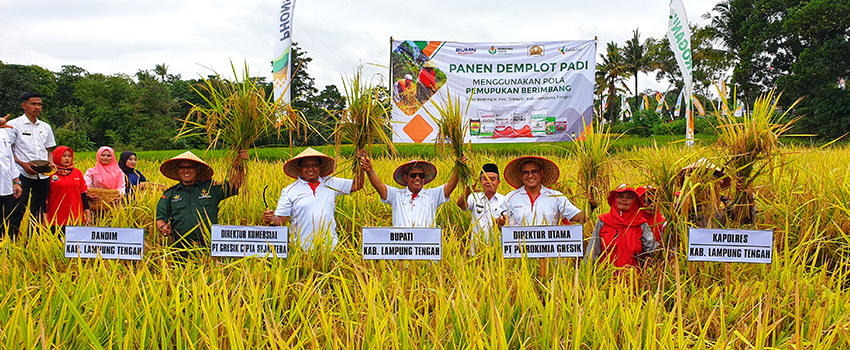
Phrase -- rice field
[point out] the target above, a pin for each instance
(326, 299)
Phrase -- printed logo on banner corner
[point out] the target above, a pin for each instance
(536, 50)
(501, 50)
(465, 50)
(565, 49)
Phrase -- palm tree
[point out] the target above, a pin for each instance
(636, 59)
(611, 77)
(161, 70)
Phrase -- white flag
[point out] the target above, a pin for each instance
(281, 70)
(679, 35)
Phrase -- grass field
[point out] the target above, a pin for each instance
(324, 299)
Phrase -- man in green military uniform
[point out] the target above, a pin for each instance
(188, 208)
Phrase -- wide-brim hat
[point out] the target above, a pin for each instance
(638, 193)
(550, 171)
(169, 168)
(42, 167)
(430, 171)
(429, 64)
(292, 169)
(703, 163)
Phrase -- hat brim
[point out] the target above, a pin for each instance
(169, 168)
(551, 173)
(430, 171)
(612, 195)
(292, 169)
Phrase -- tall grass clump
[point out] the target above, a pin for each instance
(452, 128)
(750, 144)
(593, 155)
(366, 119)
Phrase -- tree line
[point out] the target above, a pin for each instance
(144, 111)
(799, 47)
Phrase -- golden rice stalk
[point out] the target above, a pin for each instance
(593, 151)
(237, 113)
(452, 128)
(751, 142)
(366, 119)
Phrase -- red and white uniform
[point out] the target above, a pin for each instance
(418, 210)
(549, 208)
(311, 209)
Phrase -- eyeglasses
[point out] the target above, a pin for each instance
(416, 175)
(532, 172)
(183, 167)
(314, 166)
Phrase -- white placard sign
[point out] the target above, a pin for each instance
(542, 241)
(107, 242)
(402, 243)
(242, 241)
(739, 246)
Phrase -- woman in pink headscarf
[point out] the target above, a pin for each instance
(106, 174)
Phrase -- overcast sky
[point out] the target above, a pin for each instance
(123, 36)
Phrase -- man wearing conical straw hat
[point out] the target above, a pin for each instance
(188, 208)
(413, 205)
(533, 203)
(310, 201)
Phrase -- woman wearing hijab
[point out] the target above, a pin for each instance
(133, 178)
(67, 202)
(106, 174)
(622, 234)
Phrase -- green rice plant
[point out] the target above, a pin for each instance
(452, 128)
(366, 119)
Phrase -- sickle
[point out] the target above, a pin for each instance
(264, 196)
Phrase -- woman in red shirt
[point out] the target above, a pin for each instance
(622, 235)
(67, 203)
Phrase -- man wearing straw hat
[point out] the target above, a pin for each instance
(485, 206)
(413, 205)
(714, 182)
(188, 208)
(310, 201)
(533, 203)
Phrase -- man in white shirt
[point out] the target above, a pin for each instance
(486, 205)
(533, 203)
(413, 206)
(10, 185)
(32, 139)
(310, 202)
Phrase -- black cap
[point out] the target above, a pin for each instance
(490, 168)
(28, 95)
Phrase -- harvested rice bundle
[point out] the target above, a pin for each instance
(452, 128)
(365, 120)
(592, 150)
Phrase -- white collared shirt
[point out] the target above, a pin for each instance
(548, 209)
(419, 211)
(30, 142)
(311, 212)
(484, 212)
(8, 171)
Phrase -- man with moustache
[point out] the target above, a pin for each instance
(486, 205)
(533, 203)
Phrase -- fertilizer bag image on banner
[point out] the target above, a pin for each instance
(517, 92)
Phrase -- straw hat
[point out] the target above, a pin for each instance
(550, 171)
(169, 168)
(703, 163)
(430, 171)
(638, 193)
(429, 64)
(292, 169)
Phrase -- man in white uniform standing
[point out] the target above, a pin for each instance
(413, 206)
(486, 205)
(10, 184)
(310, 202)
(533, 203)
(32, 139)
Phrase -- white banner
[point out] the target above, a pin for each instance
(679, 35)
(739, 246)
(242, 241)
(542, 241)
(281, 70)
(520, 92)
(108, 242)
(402, 243)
